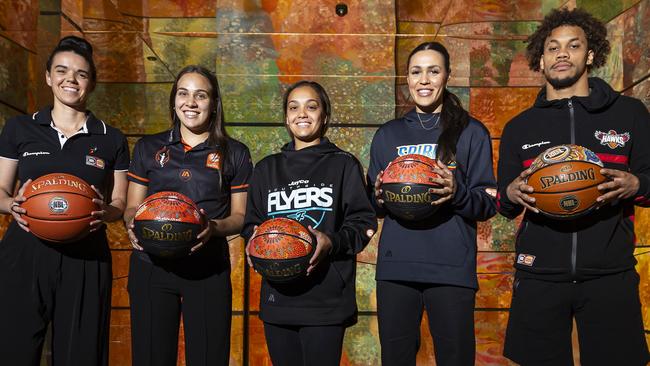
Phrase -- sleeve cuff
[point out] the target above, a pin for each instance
(643, 194)
(239, 188)
(461, 192)
(137, 179)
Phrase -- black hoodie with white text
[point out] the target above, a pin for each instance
(321, 186)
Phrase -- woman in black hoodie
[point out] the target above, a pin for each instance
(316, 183)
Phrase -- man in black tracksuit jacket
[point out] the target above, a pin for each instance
(581, 268)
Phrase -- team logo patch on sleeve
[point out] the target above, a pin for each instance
(213, 161)
(612, 139)
(95, 161)
(526, 259)
(162, 156)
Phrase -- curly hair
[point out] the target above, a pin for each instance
(594, 29)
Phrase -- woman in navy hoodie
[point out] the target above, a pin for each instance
(314, 182)
(431, 264)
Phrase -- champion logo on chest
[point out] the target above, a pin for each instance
(35, 153)
(612, 139)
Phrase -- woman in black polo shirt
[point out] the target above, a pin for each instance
(67, 285)
(198, 159)
(312, 181)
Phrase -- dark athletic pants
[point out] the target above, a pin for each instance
(304, 345)
(607, 312)
(450, 310)
(198, 288)
(68, 285)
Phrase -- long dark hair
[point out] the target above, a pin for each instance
(76, 45)
(322, 95)
(217, 131)
(453, 118)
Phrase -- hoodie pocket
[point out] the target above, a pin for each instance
(323, 288)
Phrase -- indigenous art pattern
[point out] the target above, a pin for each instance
(257, 48)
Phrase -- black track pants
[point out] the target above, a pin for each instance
(450, 310)
(304, 345)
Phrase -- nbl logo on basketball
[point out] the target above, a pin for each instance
(301, 201)
(58, 205)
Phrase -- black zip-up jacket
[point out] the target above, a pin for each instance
(616, 128)
(321, 186)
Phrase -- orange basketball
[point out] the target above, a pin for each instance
(167, 224)
(565, 180)
(280, 249)
(405, 184)
(58, 207)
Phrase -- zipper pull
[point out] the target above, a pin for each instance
(570, 103)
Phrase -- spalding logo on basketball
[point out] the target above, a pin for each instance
(565, 180)
(167, 224)
(405, 187)
(58, 207)
(280, 249)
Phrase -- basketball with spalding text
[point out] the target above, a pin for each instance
(59, 207)
(167, 224)
(565, 181)
(406, 184)
(280, 249)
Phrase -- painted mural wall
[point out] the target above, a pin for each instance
(257, 48)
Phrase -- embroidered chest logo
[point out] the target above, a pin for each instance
(612, 139)
(35, 153)
(162, 156)
(185, 175)
(526, 259)
(213, 161)
(536, 144)
(95, 161)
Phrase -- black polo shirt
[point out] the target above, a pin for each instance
(92, 154)
(162, 162)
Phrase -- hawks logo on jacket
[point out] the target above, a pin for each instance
(612, 139)
(301, 201)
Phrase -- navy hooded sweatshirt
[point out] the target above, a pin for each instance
(321, 186)
(616, 128)
(442, 248)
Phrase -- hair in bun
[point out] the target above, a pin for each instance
(77, 45)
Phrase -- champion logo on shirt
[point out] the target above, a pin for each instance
(35, 153)
(536, 144)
